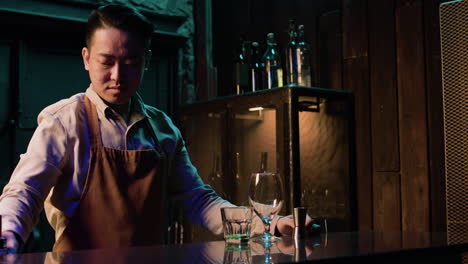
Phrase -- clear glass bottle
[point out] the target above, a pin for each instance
(256, 68)
(215, 178)
(304, 77)
(292, 52)
(237, 171)
(241, 67)
(272, 61)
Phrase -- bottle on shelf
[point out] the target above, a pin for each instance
(238, 168)
(241, 67)
(272, 61)
(216, 176)
(304, 77)
(256, 68)
(292, 53)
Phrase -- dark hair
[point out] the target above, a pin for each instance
(122, 17)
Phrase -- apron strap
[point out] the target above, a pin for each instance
(93, 123)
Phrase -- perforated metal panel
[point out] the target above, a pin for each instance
(454, 37)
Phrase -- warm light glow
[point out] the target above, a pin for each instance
(256, 109)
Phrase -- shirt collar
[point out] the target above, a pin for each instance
(137, 108)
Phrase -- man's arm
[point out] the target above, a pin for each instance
(37, 171)
(200, 202)
(202, 205)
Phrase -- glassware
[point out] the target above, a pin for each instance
(272, 60)
(237, 172)
(215, 179)
(292, 55)
(304, 73)
(237, 254)
(241, 65)
(256, 68)
(236, 224)
(266, 198)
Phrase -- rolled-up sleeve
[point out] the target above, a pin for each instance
(37, 171)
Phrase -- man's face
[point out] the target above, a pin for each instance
(115, 60)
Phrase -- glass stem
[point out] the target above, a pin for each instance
(267, 226)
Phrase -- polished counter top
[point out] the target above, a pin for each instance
(353, 247)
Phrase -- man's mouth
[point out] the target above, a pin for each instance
(116, 87)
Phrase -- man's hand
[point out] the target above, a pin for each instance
(285, 226)
(12, 244)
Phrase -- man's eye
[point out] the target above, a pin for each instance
(107, 63)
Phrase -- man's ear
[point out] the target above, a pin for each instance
(85, 55)
(148, 54)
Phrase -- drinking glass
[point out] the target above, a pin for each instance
(236, 224)
(237, 255)
(266, 198)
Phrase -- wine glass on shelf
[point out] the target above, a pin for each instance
(266, 198)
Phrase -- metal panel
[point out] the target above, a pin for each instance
(454, 44)
(5, 83)
(5, 51)
(46, 76)
(156, 88)
(324, 162)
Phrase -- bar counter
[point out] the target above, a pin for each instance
(353, 247)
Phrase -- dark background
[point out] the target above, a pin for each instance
(386, 52)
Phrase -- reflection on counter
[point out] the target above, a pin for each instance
(353, 247)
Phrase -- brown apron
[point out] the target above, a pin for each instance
(122, 204)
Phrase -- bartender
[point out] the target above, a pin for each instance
(102, 163)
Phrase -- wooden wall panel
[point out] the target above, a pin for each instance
(330, 62)
(278, 17)
(384, 115)
(412, 113)
(383, 86)
(354, 25)
(386, 242)
(387, 207)
(389, 55)
(356, 79)
(435, 117)
(306, 12)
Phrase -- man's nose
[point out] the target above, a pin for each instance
(117, 73)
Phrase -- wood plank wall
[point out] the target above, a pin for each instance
(388, 53)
